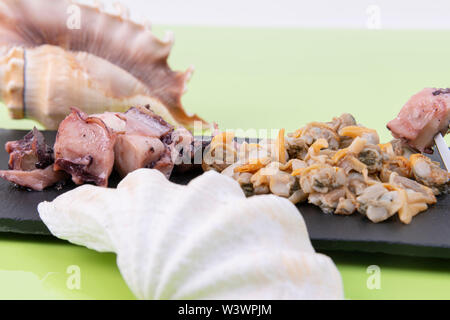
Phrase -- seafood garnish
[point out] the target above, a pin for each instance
(29, 153)
(37, 179)
(205, 240)
(141, 137)
(46, 67)
(425, 115)
(339, 166)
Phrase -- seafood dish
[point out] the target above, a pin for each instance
(339, 166)
(88, 148)
(80, 82)
(116, 105)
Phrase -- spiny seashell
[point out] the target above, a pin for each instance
(12, 80)
(210, 243)
(126, 45)
(53, 80)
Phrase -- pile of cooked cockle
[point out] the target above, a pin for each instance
(339, 166)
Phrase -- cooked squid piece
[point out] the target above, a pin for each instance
(142, 120)
(88, 147)
(426, 114)
(84, 148)
(136, 151)
(31, 163)
(430, 173)
(145, 140)
(29, 153)
(183, 149)
(37, 179)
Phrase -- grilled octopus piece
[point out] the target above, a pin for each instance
(88, 147)
(426, 114)
(145, 140)
(37, 179)
(31, 163)
(84, 148)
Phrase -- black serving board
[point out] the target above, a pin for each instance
(428, 234)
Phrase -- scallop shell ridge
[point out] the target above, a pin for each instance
(211, 243)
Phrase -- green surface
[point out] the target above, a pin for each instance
(269, 78)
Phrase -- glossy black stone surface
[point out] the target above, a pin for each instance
(427, 235)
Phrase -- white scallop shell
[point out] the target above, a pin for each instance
(201, 241)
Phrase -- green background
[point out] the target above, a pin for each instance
(268, 78)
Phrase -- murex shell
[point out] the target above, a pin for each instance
(201, 241)
(109, 64)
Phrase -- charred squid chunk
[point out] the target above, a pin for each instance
(136, 151)
(29, 153)
(164, 164)
(146, 142)
(84, 148)
(31, 163)
(182, 147)
(441, 91)
(142, 120)
(426, 114)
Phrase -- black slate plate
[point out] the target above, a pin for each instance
(427, 235)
